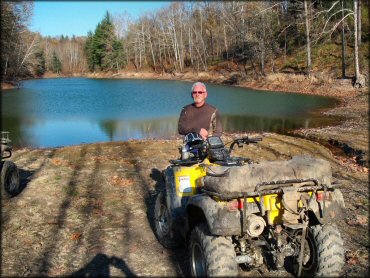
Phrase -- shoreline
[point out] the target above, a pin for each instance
(351, 106)
(277, 82)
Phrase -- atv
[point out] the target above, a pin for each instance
(232, 211)
(9, 171)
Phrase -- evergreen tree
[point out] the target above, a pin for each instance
(103, 49)
(89, 51)
(40, 66)
(56, 64)
(115, 58)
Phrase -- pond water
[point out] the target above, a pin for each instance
(70, 111)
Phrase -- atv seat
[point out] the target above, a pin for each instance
(247, 178)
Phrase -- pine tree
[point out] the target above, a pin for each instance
(103, 50)
(56, 64)
(89, 51)
(40, 66)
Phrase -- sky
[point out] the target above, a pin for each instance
(55, 18)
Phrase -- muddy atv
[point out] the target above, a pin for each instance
(9, 171)
(232, 211)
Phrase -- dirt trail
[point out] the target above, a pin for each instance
(87, 210)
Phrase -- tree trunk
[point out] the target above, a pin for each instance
(262, 45)
(225, 43)
(359, 80)
(343, 45)
(359, 21)
(285, 45)
(308, 43)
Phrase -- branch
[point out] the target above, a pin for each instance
(267, 9)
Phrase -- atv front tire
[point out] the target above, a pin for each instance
(163, 230)
(211, 255)
(9, 179)
(324, 252)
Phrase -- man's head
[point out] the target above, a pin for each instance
(199, 93)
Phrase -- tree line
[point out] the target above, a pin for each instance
(249, 37)
(26, 54)
(251, 34)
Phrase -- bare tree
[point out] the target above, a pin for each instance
(308, 42)
(359, 80)
(343, 44)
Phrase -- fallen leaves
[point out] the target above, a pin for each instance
(120, 181)
(351, 163)
(59, 162)
(75, 236)
(356, 257)
(358, 220)
(100, 158)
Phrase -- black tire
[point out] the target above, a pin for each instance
(9, 180)
(211, 255)
(163, 229)
(324, 252)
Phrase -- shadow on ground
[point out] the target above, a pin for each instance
(24, 179)
(178, 255)
(99, 266)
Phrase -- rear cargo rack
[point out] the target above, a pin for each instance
(259, 192)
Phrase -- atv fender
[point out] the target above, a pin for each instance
(333, 209)
(220, 220)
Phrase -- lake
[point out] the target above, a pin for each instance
(69, 111)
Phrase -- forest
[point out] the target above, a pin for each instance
(253, 38)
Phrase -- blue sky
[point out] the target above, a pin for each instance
(54, 18)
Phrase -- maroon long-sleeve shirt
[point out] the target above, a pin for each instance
(193, 118)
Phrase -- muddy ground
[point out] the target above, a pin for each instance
(87, 210)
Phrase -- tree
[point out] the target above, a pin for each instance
(17, 43)
(359, 79)
(56, 64)
(89, 51)
(308, 42)
(40, 66)
(103, 49)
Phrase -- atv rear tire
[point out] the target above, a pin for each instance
(326, 252)
(163, 229)
(211, 255)
(9, 179)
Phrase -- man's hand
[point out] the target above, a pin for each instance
(204, 133)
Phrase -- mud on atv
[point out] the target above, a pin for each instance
(232, 211)
(9, 171)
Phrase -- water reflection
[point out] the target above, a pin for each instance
(235, 123)
(54, 133)
(124, 130)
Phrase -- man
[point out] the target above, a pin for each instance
(199, 116)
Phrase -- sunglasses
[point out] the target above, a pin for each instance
(198, 92)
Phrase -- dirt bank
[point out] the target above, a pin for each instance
(7, 86)
(316, 84)
(87, 210)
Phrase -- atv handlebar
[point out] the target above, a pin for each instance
(244, 140)
(194, 151)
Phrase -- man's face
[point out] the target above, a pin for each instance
(199, 95)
